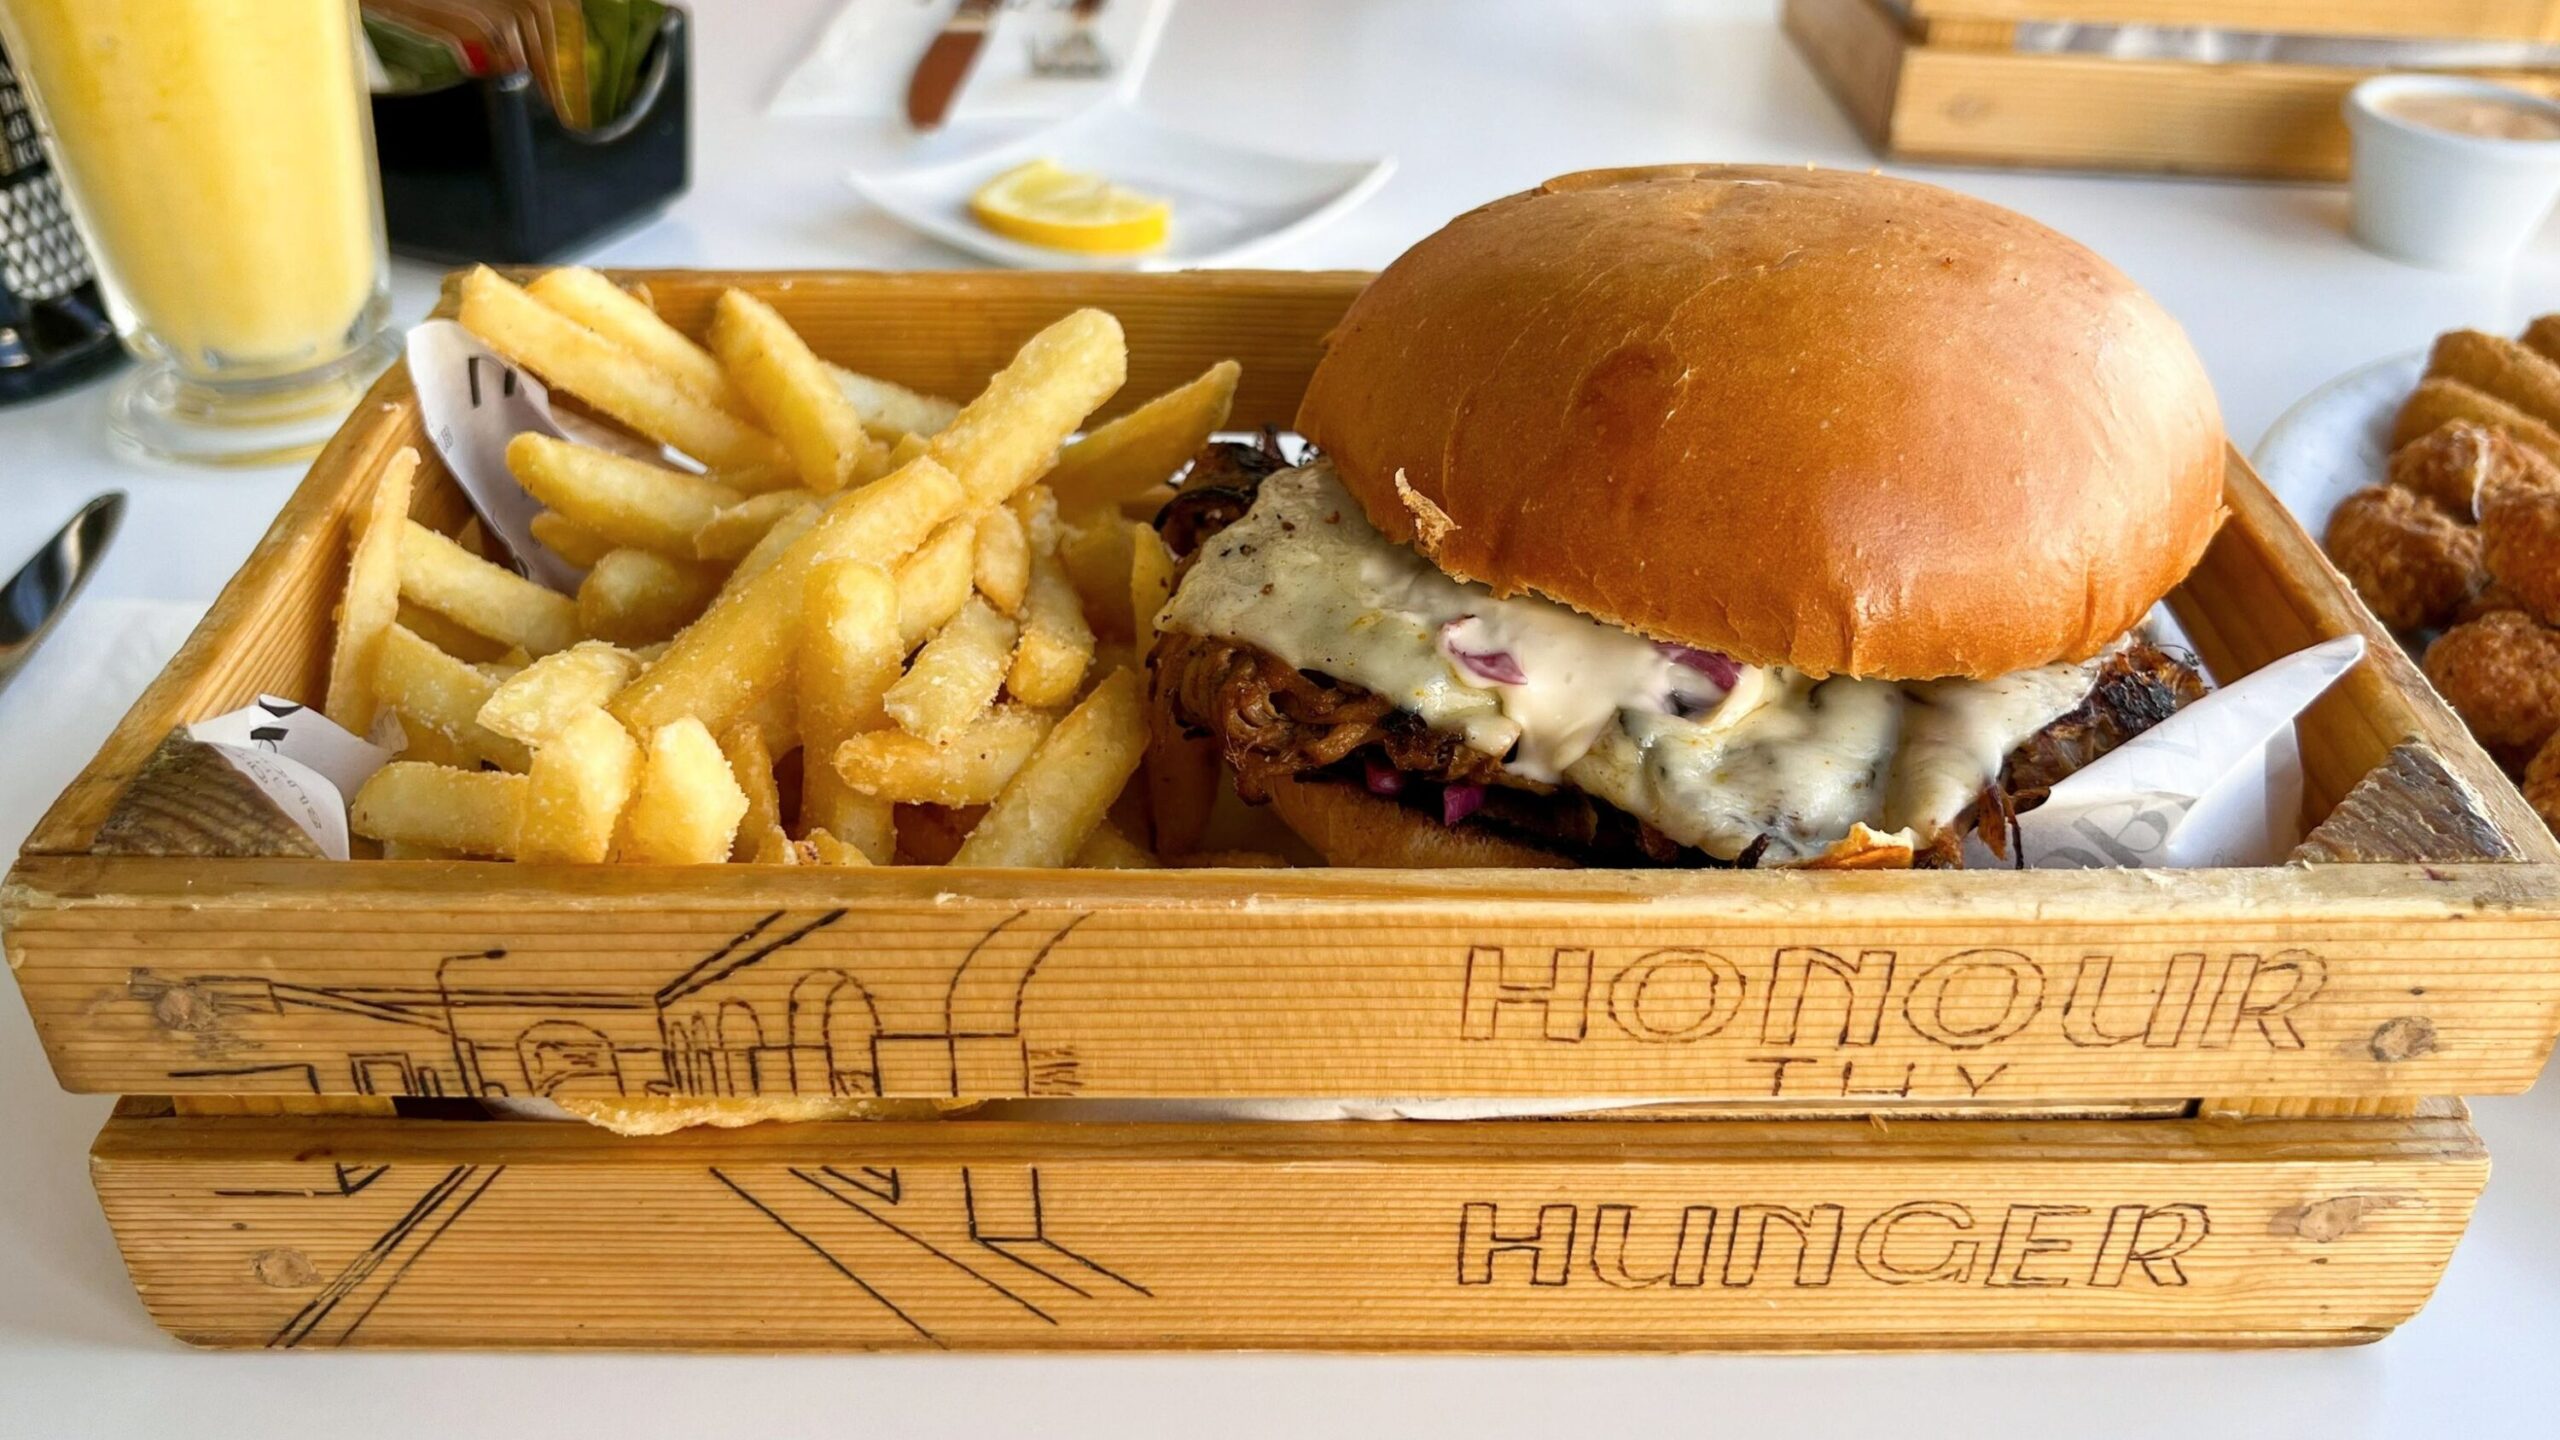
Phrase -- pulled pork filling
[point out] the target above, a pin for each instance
(1311, 648)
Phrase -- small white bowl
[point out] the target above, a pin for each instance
(2443, 199)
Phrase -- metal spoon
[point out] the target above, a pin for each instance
(36, 597)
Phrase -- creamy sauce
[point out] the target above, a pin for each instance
(1778, 753)
(2486, 118)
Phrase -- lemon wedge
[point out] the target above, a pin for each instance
(1044, 203)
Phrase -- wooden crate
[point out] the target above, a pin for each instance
(1942, 1022)
(1943, 80)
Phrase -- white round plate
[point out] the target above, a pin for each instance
(2337, 439)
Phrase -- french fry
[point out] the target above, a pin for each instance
(576, 790)
(535, 703)
(370, 605)
(785, 532)
(628, 502)
(608, 377)
(821, 847)
(481, 597)
(733, 531)
(776, 714)
(1147, 504)
(568, 539)
(931, 834)
(970, 767)
(954, 678)
(1150, 581)
(1037, 508)
(1056, 645)
(740, 647)
(1107, 849)
(639, 597)
(628, 321)
(410, 850)
(1001, 564)
(751, 767)
(795, 393)
(1054, 802)
(889, 410)
(1144, 447)
(907, 448)
(934, 582)
(1003, 439)
(1097, 553)
(762, 479)
(849, 654)
(469, 812)
(434, 693)
(687, 805)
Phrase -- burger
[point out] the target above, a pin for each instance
(1705, 516)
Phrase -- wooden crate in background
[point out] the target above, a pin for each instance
(1933, 1108)
(1943, 80)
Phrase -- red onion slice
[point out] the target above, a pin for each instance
(1381, 778)
(1722, 670)
(1457, 802)
(1497, 666)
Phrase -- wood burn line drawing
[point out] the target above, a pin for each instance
(761, 1015)
(333, 1316)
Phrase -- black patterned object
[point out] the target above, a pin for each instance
(53, 323)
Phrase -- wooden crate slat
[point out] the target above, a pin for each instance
(320, 1233)
(2418, 19)
(2341, 980)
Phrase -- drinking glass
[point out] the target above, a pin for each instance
(218, 155)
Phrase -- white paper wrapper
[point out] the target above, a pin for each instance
(300, 759)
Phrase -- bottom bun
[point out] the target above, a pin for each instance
(1349, 826)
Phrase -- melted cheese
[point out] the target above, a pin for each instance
(1559, 695)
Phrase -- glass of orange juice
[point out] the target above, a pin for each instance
(218, 155)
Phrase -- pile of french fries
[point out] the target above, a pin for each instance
(877, 627)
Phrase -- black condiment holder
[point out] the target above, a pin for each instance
(485, 171)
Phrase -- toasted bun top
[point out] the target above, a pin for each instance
(1806, 417)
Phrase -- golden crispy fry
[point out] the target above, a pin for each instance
(481, 597)
(849, 654)
(2501, 674)
(934, 582)
(740, 648)
(370, 604)
(2412, 564)
(1097, 553)
(1150, 581)
(909, 447)
(750, 760)
(760, 479)
(823, 848)
(468, 812)
(969, 767)
(2458, 463)
(568, 539)
(1143, 448)
(890, 410)
(1037, 508)
(733, 531)
(639, 597)
(533, 704)
(446, 636)
(628, 502)
(2438, 400)
(2520, 543)
(785, 532)
(574, 358)
(625, 319)
(1056, 645)
(575, 793)
(1060, 794)
(2498, 366)
(410, 850)
(1107, 849)
(954, 678)
(1002, 566)
(686, 808)
(1003, 439)
(435, 694)
(795, 393)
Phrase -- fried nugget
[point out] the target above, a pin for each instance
(2520, 545)
(2459, 462)
(2542, 783)
(2413, 564)
(2542, 337)
(2438, 399)
(2501, 367)
(2501, 674)
(2493, 597)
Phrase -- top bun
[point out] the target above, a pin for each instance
(1846, 423)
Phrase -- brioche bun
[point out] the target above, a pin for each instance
(1349, 826)
(1851, 424)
